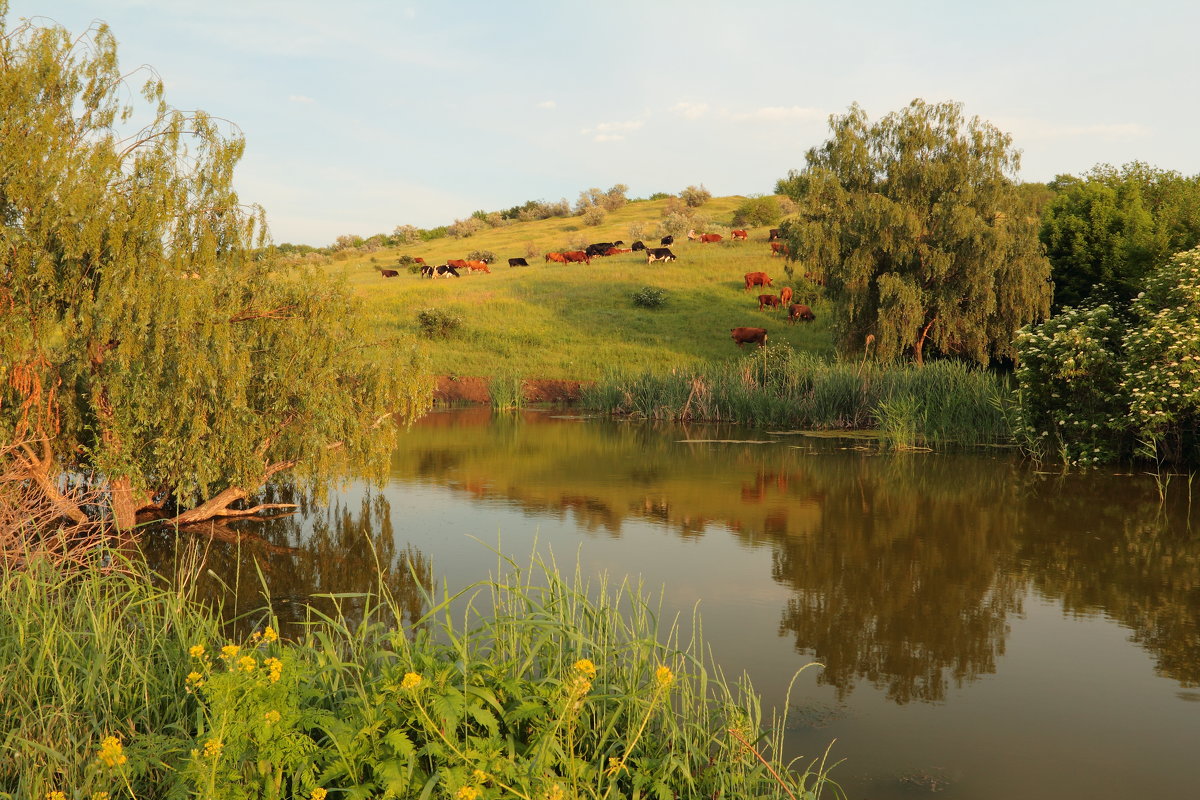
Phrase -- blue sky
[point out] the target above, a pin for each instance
(363, 115)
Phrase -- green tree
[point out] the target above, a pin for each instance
(758, 211)
(151, 348)
(920, 232)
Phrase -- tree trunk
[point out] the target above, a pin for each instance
(38, 470)
(124, 504)
(919, 347)
(219, 505)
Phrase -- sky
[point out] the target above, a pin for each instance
(362, 115)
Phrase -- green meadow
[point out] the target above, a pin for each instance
(578, 322)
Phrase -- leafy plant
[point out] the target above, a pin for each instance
(650, 297)
(438, 322)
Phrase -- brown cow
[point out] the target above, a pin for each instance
(780, 249)
(478, 266)
(785, 296)
(616, 251)
(751, 335)
(708, 238)
(757, 279)
(557, 258)
(743, 235)
(389, 273)
(800, 311)
(767, 300)
(773, 234)
(577, 256)
(418, 260)
(457, 263)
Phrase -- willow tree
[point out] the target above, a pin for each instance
(151, 349)
(920, 233)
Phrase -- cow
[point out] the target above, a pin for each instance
(418, 260)
(577, 256)
(780, 249)
(659, 254)
(598, 249)
(479, 266)
(457, 263)
(427, 272)
(389, 273)
(774, 234)
(557, 258)
(440, 271)
(739, 235)
(518, 262)
(616, 251)
(757, 279)
(765, 300)
(637, 246)
(800, 311)
(751, 335)
(667, 241)
(708, 238)
(785, 296)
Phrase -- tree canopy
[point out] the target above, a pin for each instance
(151, 347)
(920, 232)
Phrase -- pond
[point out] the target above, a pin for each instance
(986, 630)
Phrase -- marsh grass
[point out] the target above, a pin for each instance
(532, 684)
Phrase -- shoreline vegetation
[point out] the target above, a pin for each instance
(534, 684)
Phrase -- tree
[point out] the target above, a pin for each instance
(918, 229)
(151, 347)
(758, 211)
(1106, 231)
(695, 196)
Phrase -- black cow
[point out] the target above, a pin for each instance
(659, 254)
(598, 249)
(441, 271)
(637, 246)
(667, 241)
(518, 262)
(774, 234)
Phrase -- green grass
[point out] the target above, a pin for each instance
(577, 321)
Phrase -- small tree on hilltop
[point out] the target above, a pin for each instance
(920, 233)
(695, 196)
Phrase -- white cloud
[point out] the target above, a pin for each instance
(547, 104)
(612, 131)
(690, 110)
(777, 113)
(299, 98)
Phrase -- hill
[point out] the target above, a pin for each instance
(578, 322)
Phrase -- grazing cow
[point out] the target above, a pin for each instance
(739, 235)
(418, 260)
(618, 243)
(597, 249)
(708, 238)
(785, 296)
(427, 272)
(557, 258)
(637, 246)
(765, 300)
(479, 266)
(659, 254)
(457, 263)
(616, 251)
(800, 311)
(389, 273)
(757, 279)
(667, 241)
(576, 257)
(774, 234)
(751, 335)
(441, 271)
(518, 262)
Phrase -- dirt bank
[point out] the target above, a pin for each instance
(476, 390)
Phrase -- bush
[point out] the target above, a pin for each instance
(660, 196)
(638, 230)
(696, 196)
(593, 216)
(486, 256)
(758, 211)
(437, 322)
(463, 228)
(650, 297)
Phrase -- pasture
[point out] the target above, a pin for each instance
(577, 321)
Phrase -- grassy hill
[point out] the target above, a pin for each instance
(578, 321)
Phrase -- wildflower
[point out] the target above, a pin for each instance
(411, 680)
(269, 635)
(247, 663)
(111, 752)
(212, 748)
(276, 668)
(196, 651)
(615, 765)
(319, 794)
(664, 676)
(480, 776)
(555, 793)
(99, 795)
(55, 796)
(194, 680)
(467, 793)
(586, 667)
(230, 651)
(271, 717)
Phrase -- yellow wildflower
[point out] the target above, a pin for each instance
(196, 651)
(230, 651)
(213, 747)
(276, 668)
(55, 796)
(247, 663)
(411, 680)
(555, 793)
(585, 666)
(467, 793)
(99, 795)
(194, 680)
(271, 717)
(111, 752)
(319, 794)
(269, 635)
(664, 676)
(480, 776)
(615, 765)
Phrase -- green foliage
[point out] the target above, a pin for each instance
(918, 229)
(593, 216)
(486, 256)
(438, 322)
(650, 297)
(757, 211)
(660, 196)
(1105, 231)
(148, 334)
(695, 196)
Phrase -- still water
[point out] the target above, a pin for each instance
(986, 631)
